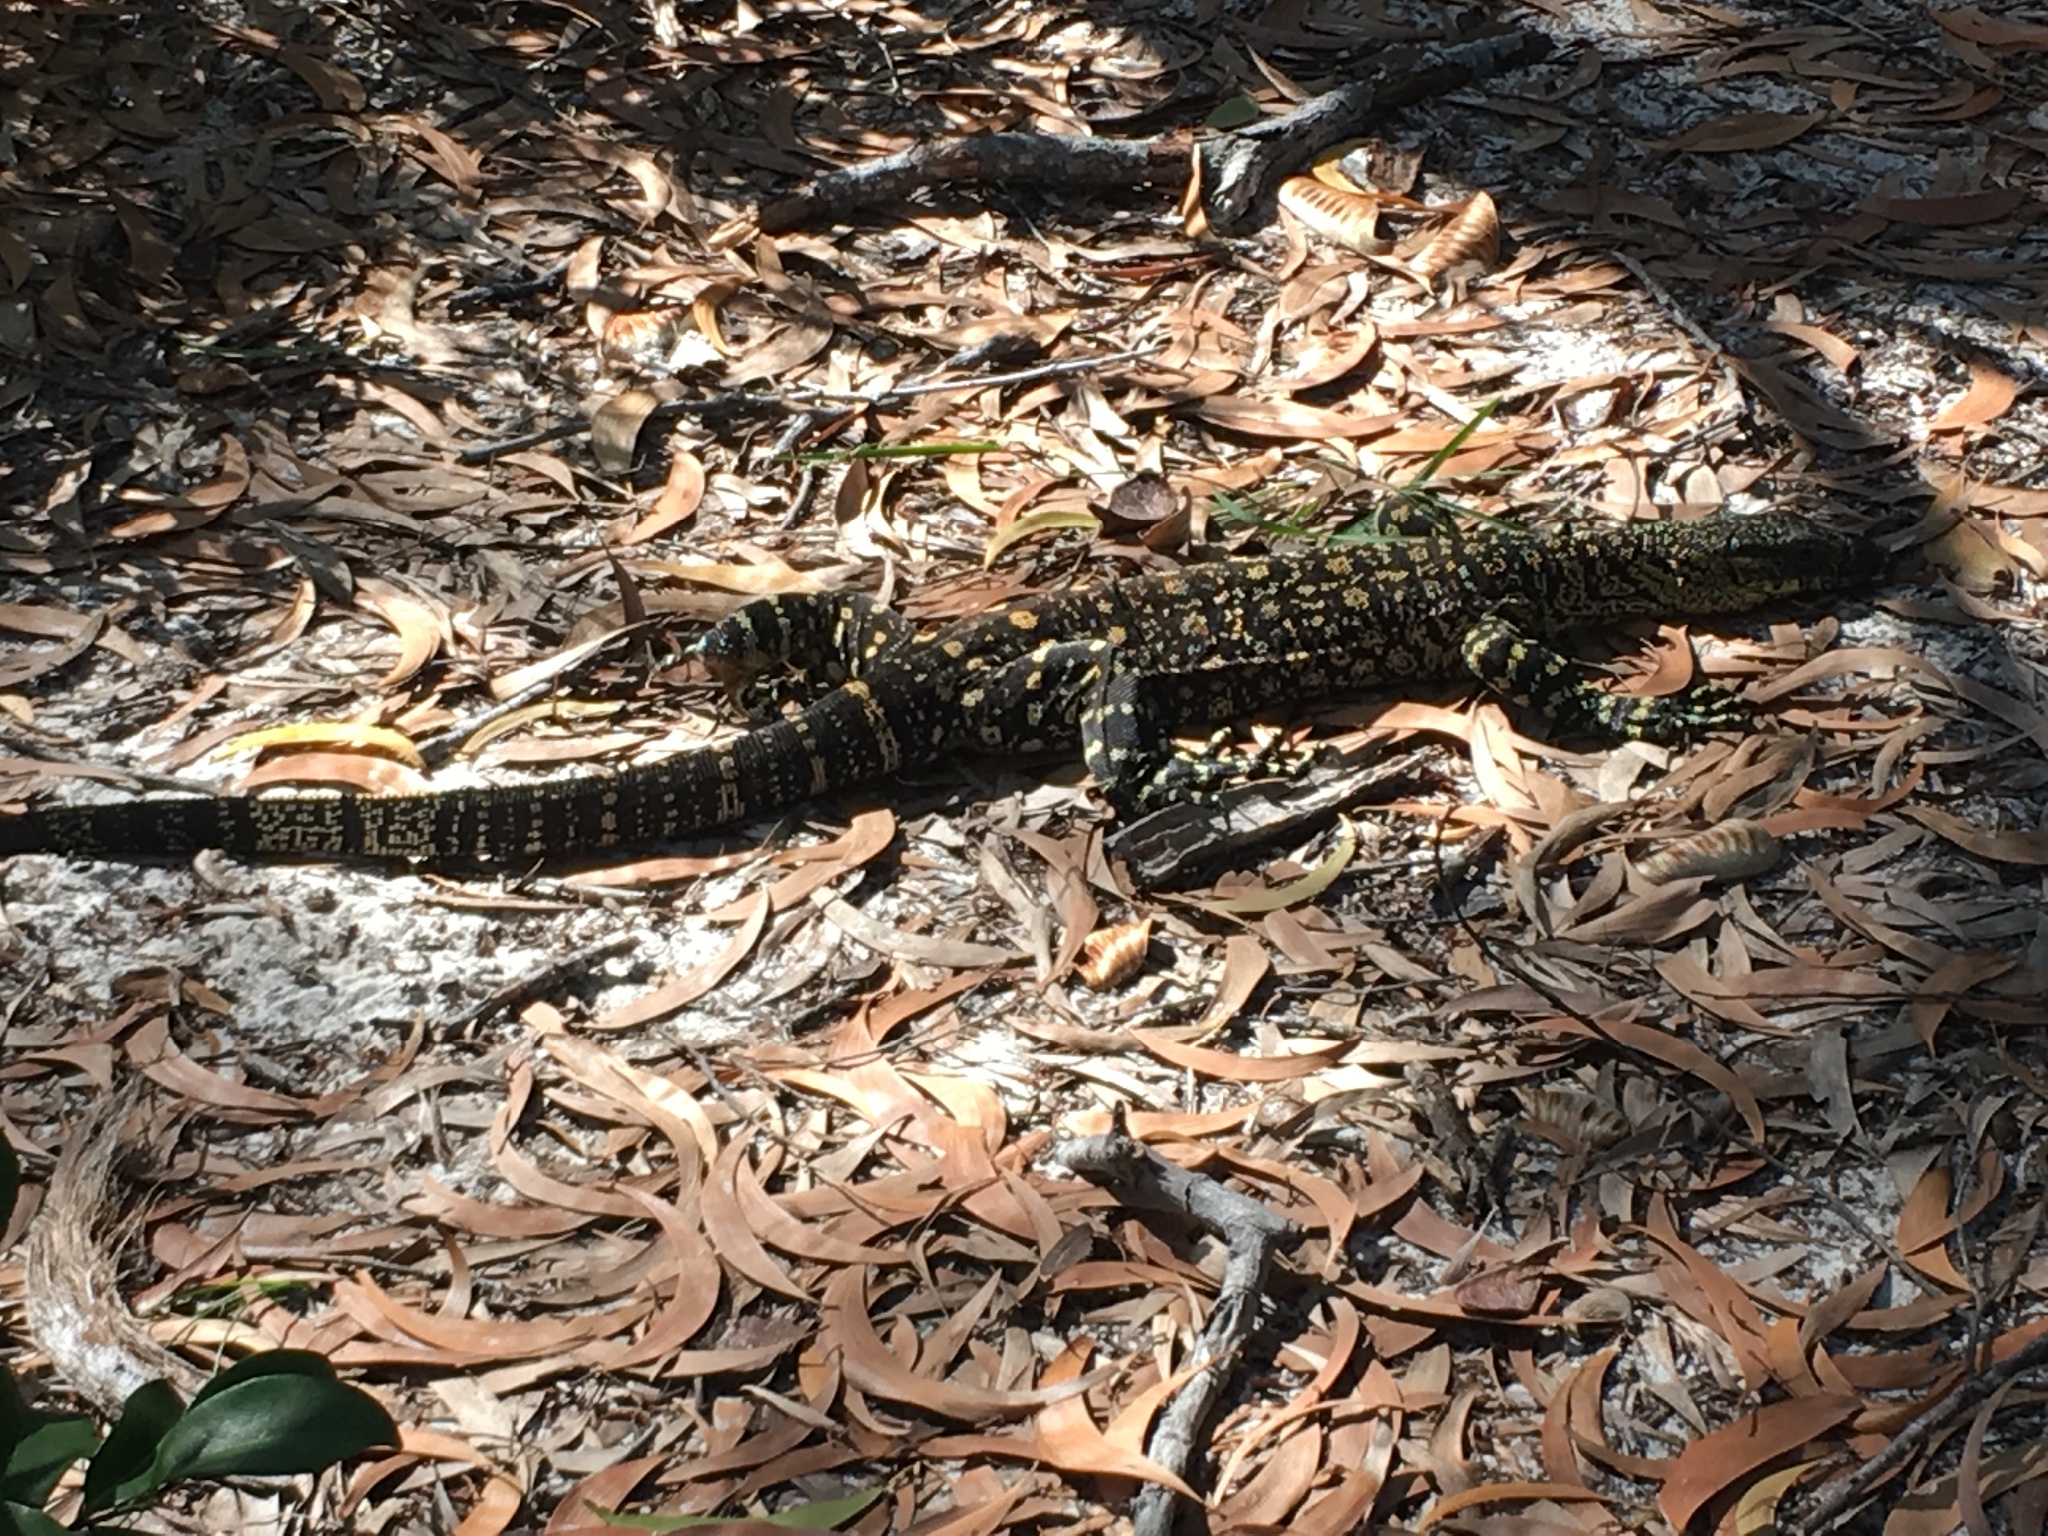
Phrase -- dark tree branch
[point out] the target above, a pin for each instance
(1239, 169)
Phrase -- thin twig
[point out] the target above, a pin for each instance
(541, 979)
(1845, 1495)
(1250, 1231)
(1054, 370)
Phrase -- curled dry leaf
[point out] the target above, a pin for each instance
(1708, 1468)
(784, 352)
(615, 428)
(1572, 1118)
(1734, 850)
(1747, 130)
(1471, 239)
(680, 498)
(1349, 219)
(422, 627)
(1506, 1290)
(1111, 956)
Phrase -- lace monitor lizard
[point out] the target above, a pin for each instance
(1116, 668)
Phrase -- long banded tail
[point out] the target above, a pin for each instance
(841, 740)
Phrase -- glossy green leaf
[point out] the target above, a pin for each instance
(271, 1424)
(10, 1182)
(1235, 112)
(121, 1470)
(271, 1362)
(25, 1520)
(39, 1457)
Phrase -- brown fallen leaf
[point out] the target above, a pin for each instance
(1963, 208)
(875, 1369)
(2004, 846)
(422, 627)
(697, 1276)
(615, 428)
(1471, 239)
(1572, 1118)
(1747, 130)
(607, 1488)
(680, 991)
(157, 1055)
(1292, 418)
(680, 497)
(1505, 1493)
(1733, 850)
(497, 1338)
(357, 771)
(1989, 396)
(1113, 955)
(1727, 1458)
(1349, 219)
(731, 1233)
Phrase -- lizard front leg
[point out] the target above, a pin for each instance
(1530, 673)
(798, 647)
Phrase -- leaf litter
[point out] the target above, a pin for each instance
(359, 401)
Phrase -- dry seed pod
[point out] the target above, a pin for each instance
(1111, 956)
(1572, 1118)
(1734, 850)
(1348, 219)
(1602, 1306)
(1473, 238)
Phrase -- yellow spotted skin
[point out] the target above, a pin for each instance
(1115, 669)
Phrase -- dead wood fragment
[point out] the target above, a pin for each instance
(1250, 1231)
(71, 1272)
(1240, 167)
(1183, 845)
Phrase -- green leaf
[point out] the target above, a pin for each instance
(10, 1182)
(16, 1417)
(271, 1362)
(1233, 113)
(41, 1456)
(823, 1515)
(1442, 456)
(271, 1423)
(26, 1520)
(120, 1470)
(895, 451)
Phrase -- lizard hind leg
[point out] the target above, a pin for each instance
(797, 647)
(1530, 673)
(1128, 742)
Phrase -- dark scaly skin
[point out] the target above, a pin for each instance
(1115, 669)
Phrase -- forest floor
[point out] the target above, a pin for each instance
(372, 372)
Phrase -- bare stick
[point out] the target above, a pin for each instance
(1239, 169)
(1250, 1231)
(1842, 1496)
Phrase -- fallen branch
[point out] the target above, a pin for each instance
(1838, 1500)
(1188, 843)
(1250, 1232)
(1239, 169)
